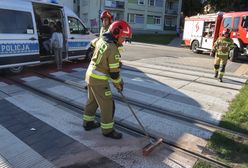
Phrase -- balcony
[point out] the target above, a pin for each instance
(115, 4)
(171, 12)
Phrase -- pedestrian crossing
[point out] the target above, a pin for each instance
(165, 87)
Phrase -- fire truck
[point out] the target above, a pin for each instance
(201, 31)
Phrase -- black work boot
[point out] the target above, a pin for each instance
(91, 125)
(220, 79)
(216, 74)
(114, 135)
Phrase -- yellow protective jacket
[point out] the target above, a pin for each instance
(105, 60)
(222, 47)
(103, 30)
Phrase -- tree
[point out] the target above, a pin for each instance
(191, 7)
(228, 5)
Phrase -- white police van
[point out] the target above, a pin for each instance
(21, 41)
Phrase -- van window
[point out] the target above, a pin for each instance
(16, 22)
(236, 23)
(76, 27)
(227, 23)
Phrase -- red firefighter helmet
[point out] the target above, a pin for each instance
(120, 28)
(226, 32)
(106, 14)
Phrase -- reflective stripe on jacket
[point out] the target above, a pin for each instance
(105, 60)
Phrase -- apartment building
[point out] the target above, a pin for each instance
(143, 15)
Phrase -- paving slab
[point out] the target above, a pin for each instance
(149, 71)
(228, 82)
(190, 70)
(222, 93)
(31, 78)
(206, 110)
(18, 153)
(11, 89)
(155, 81)
(66, 77)
(119, 151)
(189, 110)
(65, 91)
(4, 163)
(59, 73)
(3, 84)
(65, 150)
(78, 69)
(43, 83)
(3, 95)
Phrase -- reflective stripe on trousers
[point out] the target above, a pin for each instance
(97, 74)
(107, 126)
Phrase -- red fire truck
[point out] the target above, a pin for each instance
(201, 31)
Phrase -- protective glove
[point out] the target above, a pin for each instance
(212, 54)
(93, 42)
(119, 86)
(121, 49)
(120, 64)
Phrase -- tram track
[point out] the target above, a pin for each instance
(187, 80)
(127, 127)
(173, 66)
(189, 119)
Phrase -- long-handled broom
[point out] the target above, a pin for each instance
(153, 143)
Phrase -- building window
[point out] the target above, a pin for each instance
(139, 19)
(136, 18)
(85, 17)
(154, 20)
(170, 4)
(157, 19)
(84, 3)
(141, 2)
(168, 22)
(151, 2)
(159, 3)
(130, 18)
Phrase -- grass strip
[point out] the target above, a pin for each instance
(228, 148)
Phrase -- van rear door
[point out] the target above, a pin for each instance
(18, 36)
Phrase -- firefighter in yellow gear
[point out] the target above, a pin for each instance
(104, 66)
(221, 51)
(106, 18)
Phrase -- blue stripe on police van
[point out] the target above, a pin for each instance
(18, 48)
(77, 44)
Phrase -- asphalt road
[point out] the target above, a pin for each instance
(158, 54)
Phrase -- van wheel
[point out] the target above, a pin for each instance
(16, 70)
(194, 47)
(234, 54)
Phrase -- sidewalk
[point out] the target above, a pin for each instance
(176, 42)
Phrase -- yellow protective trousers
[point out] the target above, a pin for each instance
(100, 96)
(220, 65)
